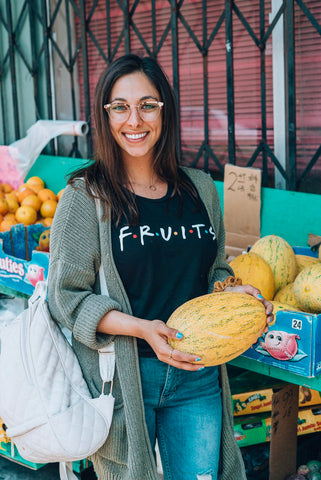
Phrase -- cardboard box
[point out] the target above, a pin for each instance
(21, 264)
(259, 401)
(254, 429)
(251, 430)
(293, 341)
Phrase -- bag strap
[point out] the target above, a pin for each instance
(106, 354)
(66, 471)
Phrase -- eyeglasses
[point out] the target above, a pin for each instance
(120, 112)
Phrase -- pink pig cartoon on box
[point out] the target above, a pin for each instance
(35, 274)
(280, 345)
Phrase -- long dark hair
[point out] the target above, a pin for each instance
(106, 176)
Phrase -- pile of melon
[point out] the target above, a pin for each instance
(291, 281)
(221, 326)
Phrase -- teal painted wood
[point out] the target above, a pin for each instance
(54, 170)
(249, 364)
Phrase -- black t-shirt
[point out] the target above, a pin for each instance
(164, 260)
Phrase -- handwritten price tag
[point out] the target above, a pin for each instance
(245, 182)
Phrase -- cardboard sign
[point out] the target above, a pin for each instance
(284, 421)
(242, 205)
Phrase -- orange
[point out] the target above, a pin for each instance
(13, 205)
(1, 218)
(26, 215)
(6, 188)
(10, 216)
(35, 181)
(47, 222)
(6, 225)
(23, 192)
(48, 208)
(59, 194)
(12, 194)
(35, 188)
(3, 206)
(33, 201)
(47, 194)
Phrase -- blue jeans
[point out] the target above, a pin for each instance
(183, 411)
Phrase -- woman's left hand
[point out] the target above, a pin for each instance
(255, 292)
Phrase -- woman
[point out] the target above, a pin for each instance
(161, 243)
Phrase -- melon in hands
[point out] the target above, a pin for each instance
(219, 326)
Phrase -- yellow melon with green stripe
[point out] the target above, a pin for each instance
(219, 326)
(282, 307)
(286, 295)
(307, 288)
(279, 254)
(254, 270)
(303, 261)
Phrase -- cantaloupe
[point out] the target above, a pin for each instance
(286, 295)
(279, 254)
(219, 326)
(254, 270)
(303, 261)
(307, 288)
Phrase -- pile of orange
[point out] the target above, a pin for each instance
(31, 203)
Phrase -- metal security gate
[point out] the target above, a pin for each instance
(245, 72)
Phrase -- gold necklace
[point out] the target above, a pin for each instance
(151, 186)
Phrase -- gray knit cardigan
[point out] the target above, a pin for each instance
(78, 244)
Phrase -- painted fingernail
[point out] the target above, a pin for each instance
(201, 368)
(198, 360)
(260, 296)
(179, 335)
(269, 313)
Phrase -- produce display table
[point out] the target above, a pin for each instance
(284, 414)
(249, 364)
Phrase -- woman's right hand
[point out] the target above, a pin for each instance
(156, 333)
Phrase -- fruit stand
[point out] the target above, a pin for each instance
(290, 215)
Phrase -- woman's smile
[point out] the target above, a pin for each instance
(135, 136)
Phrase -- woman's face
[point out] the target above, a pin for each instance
(135, 137)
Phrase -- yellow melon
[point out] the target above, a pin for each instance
(303, 261)
(307, 288)
(219, 326)
(254, 270)
(279, 254)
(286, 295)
